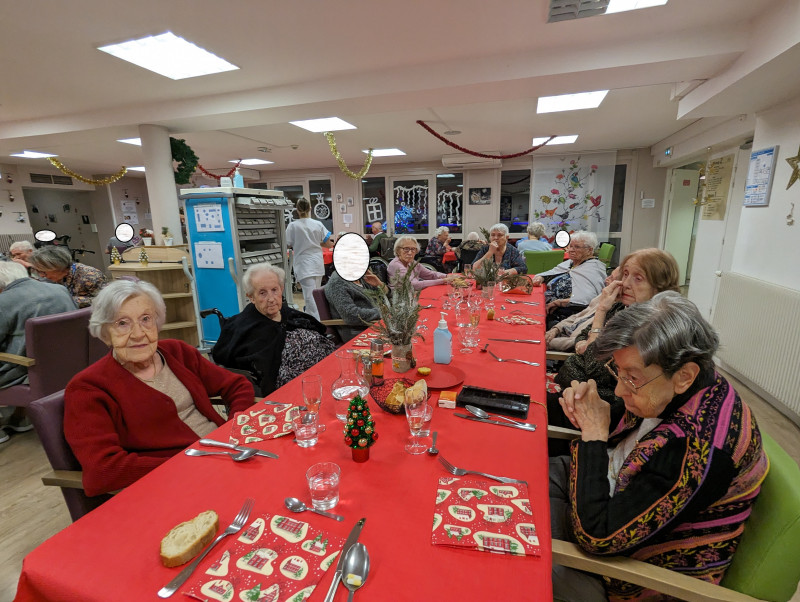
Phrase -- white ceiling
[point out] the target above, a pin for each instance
(467, 65)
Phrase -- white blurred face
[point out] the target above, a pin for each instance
(267, 295)
(133, 333)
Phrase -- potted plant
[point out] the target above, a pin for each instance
(399, 316)
(167, 236)
(147, 236)
(485, 272)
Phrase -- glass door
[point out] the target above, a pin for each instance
(412, 211)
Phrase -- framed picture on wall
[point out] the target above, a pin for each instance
(759, 177)
(480, 196)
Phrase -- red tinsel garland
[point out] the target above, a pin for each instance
(215, 176)
(476, 153)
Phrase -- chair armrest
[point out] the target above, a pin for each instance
(72, 479)
(558, 432)
(20, 360)
(644, 574)
(557, 355)
(333, 322)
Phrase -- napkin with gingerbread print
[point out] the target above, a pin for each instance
(262, 421)
(472, 513)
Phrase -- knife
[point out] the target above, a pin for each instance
(337, 576)
(213, 443)
(517, 340)
(525, 426)
(278, 403)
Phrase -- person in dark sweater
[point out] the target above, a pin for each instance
(349, 302)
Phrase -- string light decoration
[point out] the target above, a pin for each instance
(99, 182)
(340, 160)
(215, 176)
(430, 130)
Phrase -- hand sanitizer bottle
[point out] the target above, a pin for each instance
(442, 343)
(238, 180)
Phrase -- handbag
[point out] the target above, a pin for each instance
(518, 284)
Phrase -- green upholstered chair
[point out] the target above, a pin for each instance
(541, 261)
(605, 253)
(765, 566)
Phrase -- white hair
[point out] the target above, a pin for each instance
(585, 237)
(20, 245)
(261, 268)
(473, 236)
(499, 228)
(11, 271)
(402, 239)
(51, 257)
(441, 230)
(106, 304)
(536, 229)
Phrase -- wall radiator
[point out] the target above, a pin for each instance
(7, 239)
(759, 329)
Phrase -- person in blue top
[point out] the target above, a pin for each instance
(536, 240)
(510, 260)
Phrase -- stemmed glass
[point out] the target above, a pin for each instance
(448, 301)
(312, 392)
(415, 405)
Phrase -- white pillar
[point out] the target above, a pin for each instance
(164, 205)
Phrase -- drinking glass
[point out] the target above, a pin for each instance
(473, 336)
(425, 431)
(306, 428)
(464, 338)
(488, 295)
(468, 270)
(323, 485)
(474, 314)
(312, 392)
(416, 407)
(462, 313)
(448, 301)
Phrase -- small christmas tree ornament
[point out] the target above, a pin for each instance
(359, 430)
(143, 259)
(116, 258)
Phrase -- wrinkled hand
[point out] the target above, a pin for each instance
(550, 335)
(537, 280)
(494, 248)
(372, 279)
(586, 410)
(609, 295)
(580, 347)
(22, 262)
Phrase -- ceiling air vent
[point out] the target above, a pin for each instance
(566, 10)
(64, 180)
(41, 178)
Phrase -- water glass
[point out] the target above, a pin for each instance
(472, 335)
(312, 392)
(468, 270)
(464, 337)
(425, 431)
(462, 313)
(488, 295)
(474, 314)
(306, 428)
(323, 485)
(416, 407)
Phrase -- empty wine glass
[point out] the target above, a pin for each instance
(416, 405)
(312, 392)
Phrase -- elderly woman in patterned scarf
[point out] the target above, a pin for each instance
(672, 483)
(82, 281)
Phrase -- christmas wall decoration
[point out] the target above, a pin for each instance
(184, 156)
(794, 163)
(340, 160)
(448, 207)
(143, 259)
(411, 208)
(95, 182)
(359, 430)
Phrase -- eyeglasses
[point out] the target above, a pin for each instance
(612, 368)
(409, 249)
(125, 325)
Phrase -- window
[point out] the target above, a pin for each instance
(411, 206)
(319, 192)
(515, 194)
(291, 192)
(373, 193)
(450, 202)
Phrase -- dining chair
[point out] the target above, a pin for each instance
(541, 261)
(605, 253)
(47, 416)
(764, 566)
(324, 310)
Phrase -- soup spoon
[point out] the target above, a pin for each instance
(355, 568)
(486, 416)
(236, 457)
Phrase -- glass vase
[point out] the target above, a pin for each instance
(349, 384)
(403, 358)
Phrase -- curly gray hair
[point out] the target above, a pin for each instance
(499, 228)
(106, 304)
(535, 229)
(261, 268)
(51, 257)
(585, 237)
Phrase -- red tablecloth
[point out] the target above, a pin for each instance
(113, 552)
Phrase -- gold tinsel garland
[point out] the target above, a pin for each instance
(340, 160)
(109, 180)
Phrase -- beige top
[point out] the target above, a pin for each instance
(167, 383)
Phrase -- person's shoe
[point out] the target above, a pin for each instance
(3, 436)
(19, 425)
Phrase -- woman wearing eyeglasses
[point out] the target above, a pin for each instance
(673, 480)
(405, 249)
(146, 400)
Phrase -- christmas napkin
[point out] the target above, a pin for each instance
(472, 513)
(262, 421)
(274, 558)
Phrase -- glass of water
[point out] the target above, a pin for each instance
(323, 485)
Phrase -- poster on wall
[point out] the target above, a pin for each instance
(129, 213)
(480, 196)
(718, 183)
(759, 177)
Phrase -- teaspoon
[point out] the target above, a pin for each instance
(295, 505)
(433, 450)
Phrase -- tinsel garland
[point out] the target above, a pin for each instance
(476, 153)
(101, 182)
(215, 176)
(184, 156)
(340, 160)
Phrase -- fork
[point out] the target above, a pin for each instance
(511, 359)
(535, 303)
(460, 472)
(237, 524)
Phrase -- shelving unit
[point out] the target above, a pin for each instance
(173, 284)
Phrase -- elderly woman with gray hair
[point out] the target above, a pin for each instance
(535, 240)
(505, 255)
(405, 249)
(268, 337)
(145, 401)
(673, 481)
(82, 281)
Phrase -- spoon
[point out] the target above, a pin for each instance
(295, 505)
(433, 450)
(237, 457)
(355, 568)
(485, 415)
(484, 348)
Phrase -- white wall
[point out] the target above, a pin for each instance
(766, 247)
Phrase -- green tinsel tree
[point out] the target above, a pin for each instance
(359, 432)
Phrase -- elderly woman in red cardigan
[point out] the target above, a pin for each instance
(147, 399)
(673, 482)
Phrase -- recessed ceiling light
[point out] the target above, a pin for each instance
(570, 102)
(326, 124)
(618, 6)
(252, 162)
(134, 141)
(445, 175)
(33, 155)
(170, 56)
(135, 168)
(385, 152)
(556, 140)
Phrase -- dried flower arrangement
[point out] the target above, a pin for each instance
(400, 313)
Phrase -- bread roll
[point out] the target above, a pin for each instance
(186, 541)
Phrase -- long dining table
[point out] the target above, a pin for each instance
(112, 553)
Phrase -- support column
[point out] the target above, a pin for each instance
(164, 205)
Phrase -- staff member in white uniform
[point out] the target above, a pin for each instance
(306, 237)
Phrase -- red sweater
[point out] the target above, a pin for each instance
(120, 428)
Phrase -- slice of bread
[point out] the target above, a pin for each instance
(186, 541)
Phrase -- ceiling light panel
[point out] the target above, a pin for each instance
(33, 155)
(385, 152)
(169, 55)
(618, 6)
(326, 124)
(140, 168)
(252, 162)
(570, 102)
(556, 140)
(134, 141)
